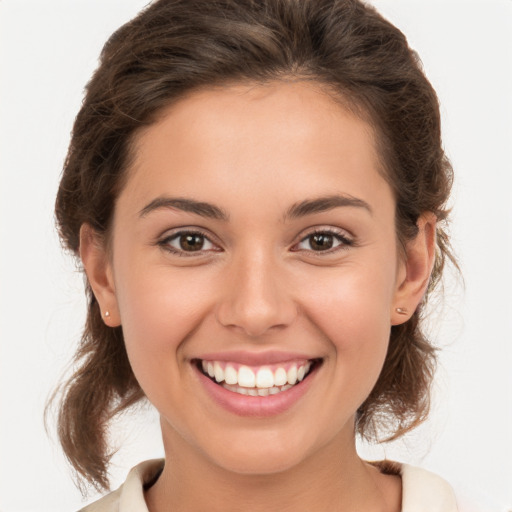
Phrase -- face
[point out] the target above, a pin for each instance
(255, 240)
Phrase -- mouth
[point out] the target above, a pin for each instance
(266, 380)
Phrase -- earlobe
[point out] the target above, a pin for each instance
(417, 267)
(98, 269)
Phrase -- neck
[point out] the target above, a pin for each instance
(334, 478)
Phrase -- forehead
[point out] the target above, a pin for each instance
(284, 107)
(250, 138)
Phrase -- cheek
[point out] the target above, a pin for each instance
(351, 308)
(355, 300)
(353, 317)
(160, 307)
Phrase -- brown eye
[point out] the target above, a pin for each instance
(324, 241)
(188, 242)
(191, 242)
(321, 242)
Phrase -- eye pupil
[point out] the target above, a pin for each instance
(321, 242)
(191, 242)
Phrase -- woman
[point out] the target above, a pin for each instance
(257, 193)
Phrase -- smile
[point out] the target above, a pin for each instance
(257, 381)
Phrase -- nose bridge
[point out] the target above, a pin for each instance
(257, 298)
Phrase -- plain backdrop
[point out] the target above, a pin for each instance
(48, 51)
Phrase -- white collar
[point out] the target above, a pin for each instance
(422, 491)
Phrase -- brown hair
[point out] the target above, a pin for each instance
(176, 46)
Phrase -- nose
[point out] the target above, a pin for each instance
(256, 297)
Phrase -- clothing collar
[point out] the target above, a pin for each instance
(422, 491)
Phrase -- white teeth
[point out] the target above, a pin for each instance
(218, 371)
(292, 375)
(256, 392)
(230, 375)
(264, 378)
(280, 377)
(246, 377)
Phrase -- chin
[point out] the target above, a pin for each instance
(259, 457)
(258, 465)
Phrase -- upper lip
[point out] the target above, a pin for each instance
(256, 358)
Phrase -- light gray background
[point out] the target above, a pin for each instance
(47, 53)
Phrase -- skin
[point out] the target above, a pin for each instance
(259, 284)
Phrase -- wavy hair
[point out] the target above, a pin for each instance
(174, 47)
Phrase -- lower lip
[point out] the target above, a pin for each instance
(258, 406)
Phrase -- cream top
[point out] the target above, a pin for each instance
(422, 491)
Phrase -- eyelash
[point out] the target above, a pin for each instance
(344, 242)
(164, 243)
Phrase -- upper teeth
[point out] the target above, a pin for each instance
(262, 377)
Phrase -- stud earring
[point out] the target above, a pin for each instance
(107, 314)
(401, 311)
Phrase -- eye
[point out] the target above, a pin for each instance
(188, 242)
(323, 241)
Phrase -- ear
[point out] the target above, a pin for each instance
(98, 269)
(414, 272)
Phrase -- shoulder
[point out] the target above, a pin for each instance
(130, 496)
(109, 503)
(423, 491)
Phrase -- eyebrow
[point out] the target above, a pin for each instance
(203, 209)
(323, 204)
(297, 210)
